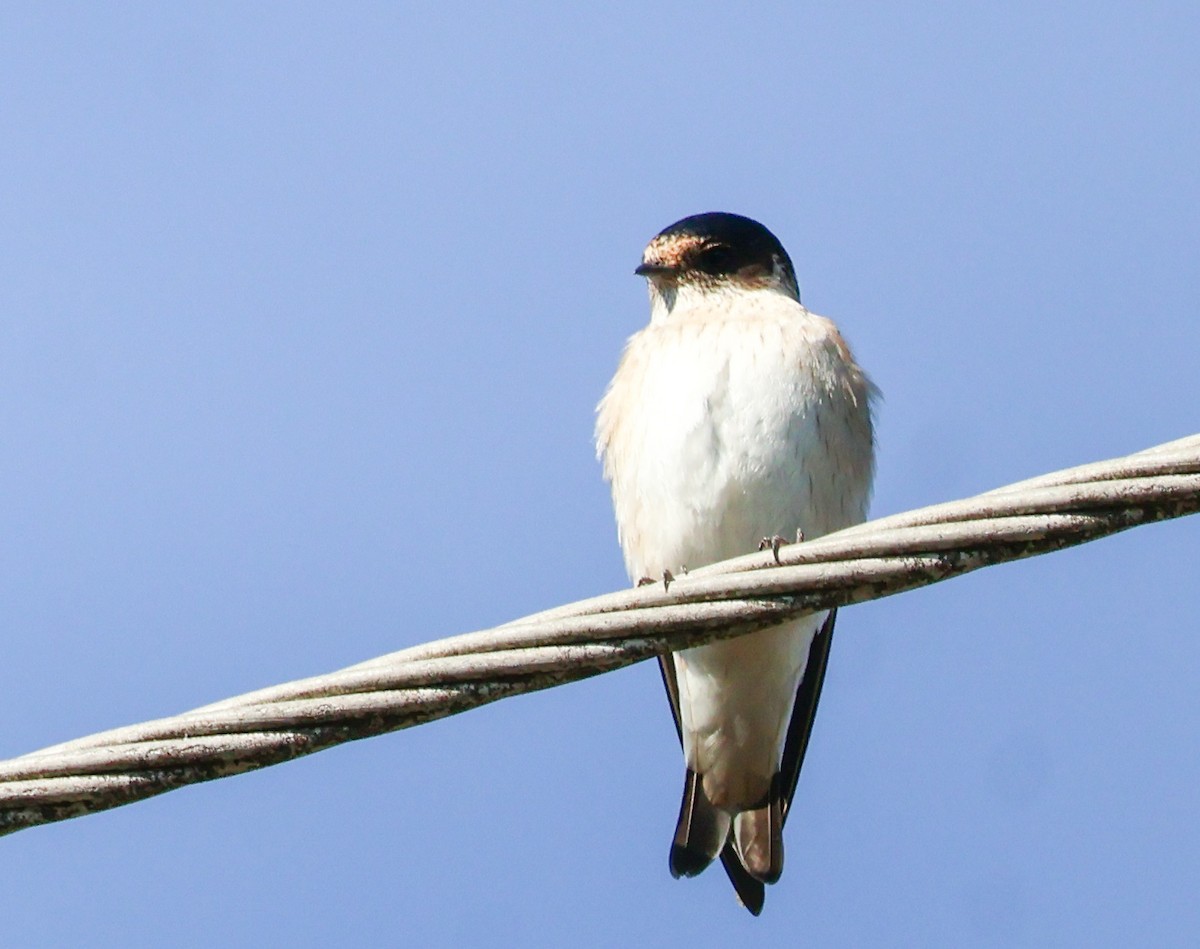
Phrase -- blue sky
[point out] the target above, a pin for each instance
(305, 311)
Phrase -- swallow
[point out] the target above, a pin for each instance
(735, 415)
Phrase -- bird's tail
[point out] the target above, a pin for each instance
(758, 834)
(701, 831)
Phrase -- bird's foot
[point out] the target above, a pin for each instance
(774, 543)
(667, 579)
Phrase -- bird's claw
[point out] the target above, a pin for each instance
(774, 543)
(667, 579)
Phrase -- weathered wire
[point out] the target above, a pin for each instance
(572, 642)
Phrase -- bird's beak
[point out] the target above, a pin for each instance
(653, 270)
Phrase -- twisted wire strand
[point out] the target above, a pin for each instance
(572, 642)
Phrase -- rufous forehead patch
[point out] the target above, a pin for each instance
(673, 250)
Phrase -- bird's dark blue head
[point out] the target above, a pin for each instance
(718, 247)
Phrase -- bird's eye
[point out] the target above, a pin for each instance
(717, 260)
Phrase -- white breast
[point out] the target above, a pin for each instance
(729, 424)
(740, 417)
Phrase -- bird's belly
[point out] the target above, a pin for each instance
(729, 433)
(732, 451)
(725, 444)
(736, 700)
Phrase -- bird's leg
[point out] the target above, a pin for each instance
(774, 543)
(667, 579)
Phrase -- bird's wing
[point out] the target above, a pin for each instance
(750, 891)
(805, 710)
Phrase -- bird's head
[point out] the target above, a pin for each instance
(716, 252)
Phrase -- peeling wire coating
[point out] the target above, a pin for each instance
(572, 642)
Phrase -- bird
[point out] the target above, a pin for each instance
(736, 417)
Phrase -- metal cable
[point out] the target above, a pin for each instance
(416, 685)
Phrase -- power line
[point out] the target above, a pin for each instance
(572, 642)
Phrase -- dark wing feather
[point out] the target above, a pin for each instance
(749, 890)
(805, 710)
